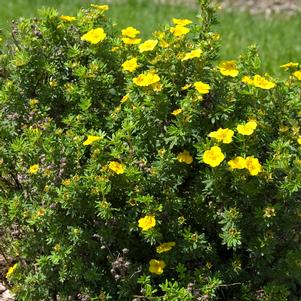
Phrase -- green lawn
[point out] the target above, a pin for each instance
(278, 38)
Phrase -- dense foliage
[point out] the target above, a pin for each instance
(145, 170)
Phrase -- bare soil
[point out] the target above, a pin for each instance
(266, 7)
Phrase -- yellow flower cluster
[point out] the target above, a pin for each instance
(214, 155)
(228, 68)
(180, 30)
(250, 163)
(222, 135)
(259, 82)
(129, 36)
(146, 79)
(94, 36)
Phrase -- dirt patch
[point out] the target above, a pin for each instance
(266, 7)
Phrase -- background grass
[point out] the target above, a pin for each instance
(278, 37)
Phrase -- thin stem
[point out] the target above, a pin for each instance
(231, 284)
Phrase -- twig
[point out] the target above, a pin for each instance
(231, 284)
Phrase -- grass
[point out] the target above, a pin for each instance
(277, 38)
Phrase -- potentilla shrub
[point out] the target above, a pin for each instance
(146, 169)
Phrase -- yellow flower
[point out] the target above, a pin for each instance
(147, 222)
(289, 65)
(130, 65)
(165, 247)
(33, 101)
(117, 167)
(181, 22)
(102, 8)
(236, 264)
(269, 212)
(186, 87)
(146, 79)
(201, 87)
(157, 87)
(94, 36)
(53, 83)
(192, 54)
(299, 140)
(179, 30)
(213, 156)
(253, 165)
(224, 135)
(67, 18)
(216, 36)
(283, 128)
(156, 266)
(148, 45)
(297, 74)
(57, 247)
(247, 80)
(33, 169)
(66, 182)
(228, 68)
(11, 270)
(131, 41)
(209, 265)
(263, 83)
(91, 139)
(237, 163)
(185, 157)
(125, 98)
(177, 112)
(41, 212)
(248, 128)
(130, 32)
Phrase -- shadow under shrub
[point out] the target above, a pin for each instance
(145, 170)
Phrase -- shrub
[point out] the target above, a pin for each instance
(146, 170)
